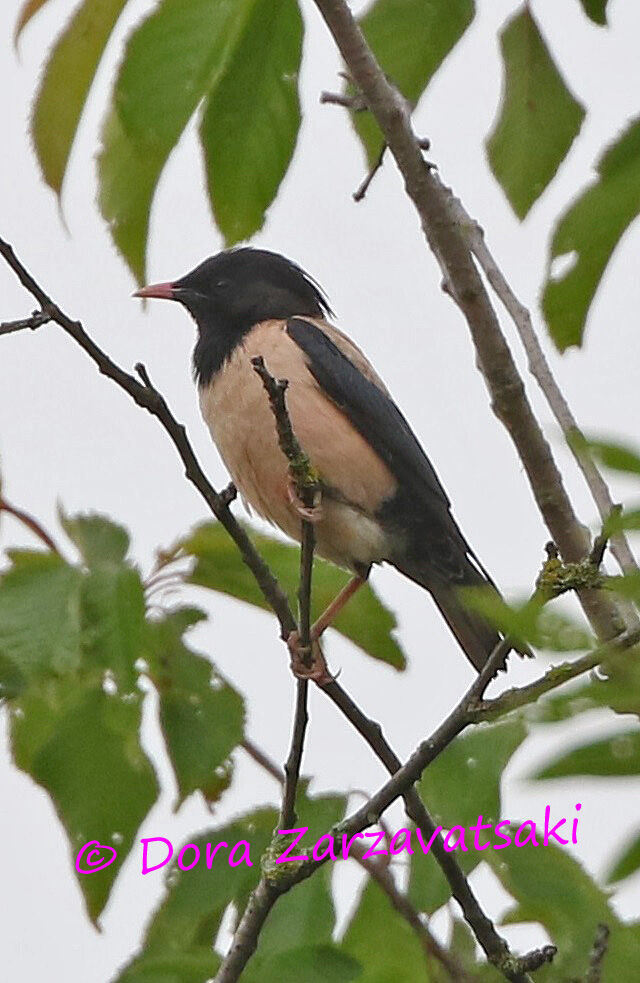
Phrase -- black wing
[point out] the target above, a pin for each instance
(370, 410)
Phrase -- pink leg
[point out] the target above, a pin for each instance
(330, 613)
(318, 671)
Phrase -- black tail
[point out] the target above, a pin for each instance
(476, 637)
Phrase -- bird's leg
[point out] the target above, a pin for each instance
(308, 513)
(318, 671)
(332, 611)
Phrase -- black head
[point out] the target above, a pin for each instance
(230, 292)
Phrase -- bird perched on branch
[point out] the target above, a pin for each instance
(381, 500)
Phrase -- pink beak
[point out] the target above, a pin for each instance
(165, 291)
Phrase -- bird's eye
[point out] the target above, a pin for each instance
(222, 284)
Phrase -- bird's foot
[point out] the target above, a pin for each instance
(308, 663)
(310, 513)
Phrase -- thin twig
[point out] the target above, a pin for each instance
(31, 523)
(599, 951)
(36, 320)
(541, 371)
(465, 285)
(307, 489)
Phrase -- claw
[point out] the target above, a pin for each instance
(315, 670)
(312, 513)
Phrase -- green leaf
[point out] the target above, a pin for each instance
(169, 63)
(410, 39)
(529, 623)
(364, 620)
(620, 691)
(312, 963)
(399, 959)
(181, 967)
(202, 717)
(627, 585)
(172, 62)
(626, 862)
(113, 619)
(539, 117)
(462, 784)
(128, 176)
(66, 82)
(532, 876)
(97, 538)
(40, 614)
(615, 755)
(587, 234)
(251, 118)
(189, 916)
(618, 457)
(596, 10)
(82, 746)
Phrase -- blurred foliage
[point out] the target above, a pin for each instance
(236, 66)
(364, 620)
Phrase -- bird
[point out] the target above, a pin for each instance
(381, 499)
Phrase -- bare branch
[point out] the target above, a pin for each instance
(541, 371)
(464, 284)
(37, 319)
(30, 523)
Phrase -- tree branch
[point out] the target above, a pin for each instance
(30, 523)
(307, 489)
(541, 371)
(37, 319)
(463, 282)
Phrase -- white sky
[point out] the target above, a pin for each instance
(69, 435)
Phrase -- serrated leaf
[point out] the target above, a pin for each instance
(587, 235)
(202, 717)
(626, 862)
(66, 82)
(400, 959)
(98, 539)
(615, 755)
(596, 10)
(364, 620)
(82, 746)
(410, 39)
(462, 784)
(251, 118)
(40, 614)
(539, 117)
